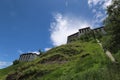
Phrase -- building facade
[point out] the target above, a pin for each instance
(73, 36)
(101, 29)
(28, 57)
(83, 31)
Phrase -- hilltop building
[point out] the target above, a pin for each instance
(83, 31)
(28, 56)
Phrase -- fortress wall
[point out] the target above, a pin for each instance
(73, 36)
(27, 57)
(83, 31)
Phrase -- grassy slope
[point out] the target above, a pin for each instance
(75, 61)
(5, 71)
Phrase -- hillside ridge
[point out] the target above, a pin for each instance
(74, 61)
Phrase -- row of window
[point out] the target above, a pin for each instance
(26, 57)
(84, 30)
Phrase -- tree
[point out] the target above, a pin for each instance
(112, 26)
(41, 52)
(16, 62)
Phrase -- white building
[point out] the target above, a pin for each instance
(28, 56)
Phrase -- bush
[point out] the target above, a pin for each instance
(88, 36)
(16, 62)
(98, 35)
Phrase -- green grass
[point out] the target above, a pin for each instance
(74, 61)
(4, 72)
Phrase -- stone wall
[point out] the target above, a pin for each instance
(101, 29)
(28, 57)
(78, 34)
(72, 37)
(83, 31)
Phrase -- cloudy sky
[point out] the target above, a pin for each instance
(30, 25)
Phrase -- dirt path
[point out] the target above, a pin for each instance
(108, 53)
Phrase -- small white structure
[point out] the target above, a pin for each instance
(28, 56)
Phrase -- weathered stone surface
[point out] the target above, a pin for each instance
(83, 31)
(28, 57)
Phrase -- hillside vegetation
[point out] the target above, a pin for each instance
(78, 60)
(74, 61)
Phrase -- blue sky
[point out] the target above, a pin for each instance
(30, 25)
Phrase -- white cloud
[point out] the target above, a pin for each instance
(94, 2)
(103, 3)
(35, 52)
(46, 49)
(99, 17)
(94, 11)
(20, 51)
(4, 64)
(107, 3)
(66, 3)
(64, 26)
(98, 8)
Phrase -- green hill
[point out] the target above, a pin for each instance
(74, 61)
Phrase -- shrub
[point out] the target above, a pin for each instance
(16, 62)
